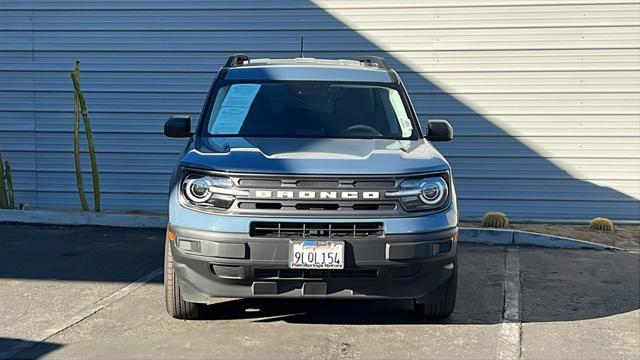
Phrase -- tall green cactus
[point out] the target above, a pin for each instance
(11, 201)
(76, 143)
(7, 200)
(4, 202)
(80, 106)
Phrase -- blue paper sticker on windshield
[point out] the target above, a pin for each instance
(235, 108)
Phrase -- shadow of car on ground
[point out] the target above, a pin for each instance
(557, 285)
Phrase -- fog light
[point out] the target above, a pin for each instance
(189, 245)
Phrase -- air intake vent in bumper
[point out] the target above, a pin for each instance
(316, 230)
(267, 273)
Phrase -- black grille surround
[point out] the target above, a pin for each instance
(334, 203)
(292, 230)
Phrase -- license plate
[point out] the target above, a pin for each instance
(312, 254)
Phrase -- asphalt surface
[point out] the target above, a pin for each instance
(73, 292)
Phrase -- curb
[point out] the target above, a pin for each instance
(83, 218)
(467, 235)
(525, 238)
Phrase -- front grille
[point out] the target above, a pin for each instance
(321, 196)
(267, 273)
(316, 230)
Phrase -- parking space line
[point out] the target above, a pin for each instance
(101, 304)
(510, 331)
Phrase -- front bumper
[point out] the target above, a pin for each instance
(226, 264)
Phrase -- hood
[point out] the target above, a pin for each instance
(313, 156)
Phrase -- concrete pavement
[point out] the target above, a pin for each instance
(567, 303)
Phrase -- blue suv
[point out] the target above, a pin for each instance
(309, 178)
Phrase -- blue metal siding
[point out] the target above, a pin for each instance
(544, 95)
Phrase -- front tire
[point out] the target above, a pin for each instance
(176, 306)
(444, 303)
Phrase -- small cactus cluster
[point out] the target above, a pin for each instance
(495, 219)
(7, 200)
(601, 224)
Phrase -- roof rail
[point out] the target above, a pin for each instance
(236, 60)
(377, 60)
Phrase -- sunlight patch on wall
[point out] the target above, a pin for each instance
(557, 92)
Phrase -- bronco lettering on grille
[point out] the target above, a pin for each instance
(322, 195)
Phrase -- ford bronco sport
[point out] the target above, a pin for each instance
(309, 178)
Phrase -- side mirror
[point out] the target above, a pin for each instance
(178, 126)
(439, 130)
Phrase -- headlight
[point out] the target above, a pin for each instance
(421, 194)
(206, 191)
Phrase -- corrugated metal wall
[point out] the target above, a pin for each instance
(544, 95)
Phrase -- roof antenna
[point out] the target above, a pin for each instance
(301, 46)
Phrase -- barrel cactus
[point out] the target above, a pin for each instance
(495, 219)
(601, 224)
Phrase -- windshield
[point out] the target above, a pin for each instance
(309, 109)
